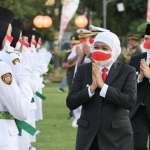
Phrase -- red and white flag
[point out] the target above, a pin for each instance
(148, 11)
(68, 10)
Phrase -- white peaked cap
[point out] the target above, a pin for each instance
(85, 31)
(97, 29)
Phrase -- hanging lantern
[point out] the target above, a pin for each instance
(81, 21)
(38, 21)
(47, 21)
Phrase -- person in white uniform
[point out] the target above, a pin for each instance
(14, 101)
(77, 56)
(37, 63)
(47, 55)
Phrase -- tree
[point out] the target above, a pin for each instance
(26, 10)
(122, 23)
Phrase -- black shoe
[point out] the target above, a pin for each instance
(60, 90)
(71, 116)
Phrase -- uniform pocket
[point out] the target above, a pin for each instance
(13, 130)
(121, 123)
(83, 123)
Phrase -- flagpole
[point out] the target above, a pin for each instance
(56, 46)
(105, 2)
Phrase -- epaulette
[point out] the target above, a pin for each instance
(68, 50)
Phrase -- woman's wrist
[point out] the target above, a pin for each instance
(89, 55)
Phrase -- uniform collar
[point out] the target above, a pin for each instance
(108, 67)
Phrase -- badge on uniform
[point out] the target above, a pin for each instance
(137, 73)
(15, 61)
(7, 78)
(87, 85)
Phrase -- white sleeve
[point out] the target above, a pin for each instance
(90, 94)
(103, 90)
(138, 81)
(37, 71)
(16, 100)
(73, 53)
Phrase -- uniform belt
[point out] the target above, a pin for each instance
(6, 115)
(20, 124)
(40, 95)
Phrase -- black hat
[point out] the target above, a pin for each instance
(31, 32)
(6, 15)
(16, 29)
(25, 32)
(142, 36)
(15, 34)
(17, 24)
(3, 30)
(147, 31)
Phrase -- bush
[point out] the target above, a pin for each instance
(61, 56)
(122, 59)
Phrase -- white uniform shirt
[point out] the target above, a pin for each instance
(73, 54)
(16, 103)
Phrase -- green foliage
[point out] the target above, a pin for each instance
(122, 23)
(97, 22)
(47, 34)
(133, 28)
(138, 5)
(61, 56)
(141, 28)
(51, 68)
(122, 59)
(26, 10)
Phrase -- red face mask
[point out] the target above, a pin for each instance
(9, 38)
(34, 42)
(26, 44)
(91, 40)
(20, 40)
(72, 46)
(40, 43)
(146, 45)
(82, 41)
(100, 56)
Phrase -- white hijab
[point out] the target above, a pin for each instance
(112, 41)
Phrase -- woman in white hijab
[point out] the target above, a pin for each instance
(106, 89)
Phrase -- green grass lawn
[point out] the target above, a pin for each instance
(56, 130)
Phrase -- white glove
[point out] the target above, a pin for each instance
(23, 73)
(27, 58)
(38, 64)
(24, 69)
